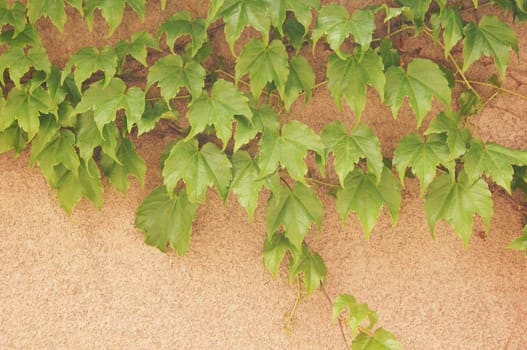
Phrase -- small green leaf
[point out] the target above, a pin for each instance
(129, 163)
(198, 168)
(89, 60)
(358, 314)
(13, 14)
(29, 37)
(171, 74)
(381, 340)
(181, 24)
(136, 47)
(274, 251)
(264, 64)
(218, 110)
(457, 202)
(53, 9)
(19, 60)
(469, 102)
(520, 243)
(244, 183)
(416, 10)
(350, 148)
(457, 137)
(166, 218)
(450, 20)
(422, 80)
(390, 56)
(112, 11)
(348, 78)
(362, 195)
(301, 78)
(301, 9)
(312, 266)
(151, 115)
(295, 210)
(492, 37)
(295, 32)
(13, 138)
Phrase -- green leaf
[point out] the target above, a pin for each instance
(295, 210)
(77, 4)
(494, 160)
(13, 14)
(333, 20)
(295, 33)
(136, 47)
(274, 251)
(350, 148)
(166, 218)
(237, 14)
(390, 56)
(312, 266)
(29, 37)
(245, 183)
(492, 37)
(362, 195)
(348, 78)
(19, 60)
(357, 313)
(301, 9)
(519, 243)
(198, 168)
(129, 163)
(457, 138)
(469, 102)
(416, 10)
(301, 78)
(289, 150)
(151, 115)
(457, 202)
(450, 20)
(112, 11)
(181, 24)
(53, 9)
(171, 74)
(89, 137)
(381, 340)
(264, 64)
(13, 138)
(218, 110)
(423, 156)
(89, 60)
(134, 105)
(422, 80)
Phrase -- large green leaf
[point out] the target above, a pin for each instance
(136, 47)
(450, 20)
(457, 202)
(129, 163)
(237, 14)
(357, 313)
(334, 21)
(301, 78)
(53, 9)
(423, 156)
(422, 80)
(348, 78)
(301, 9)
(289, 150)
(89, 60)
(363, 195)
(166, 218)
(19, 60)
(198, 168)
(218, 110)
(112, 11)
(312, 266)
(295, 210)
(494, 160)
(492, 37)
(172, 73)
(274, 251)
(350, 148)
(181, 24)
(13, 14)
(380, 340)
(264, 64)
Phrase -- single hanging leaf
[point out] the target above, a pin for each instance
(237, 14)
(129, 163)
(492, 37)
(457, 137)
(245, 183)
(312, 266)
(381, 340)
(333, 20)
(112, 11)
(172, 73)
(136, 47)
(264, 64)
(48, 131)
(301, 78)
(166, 219)
(423, 156)
(347, 78)
(295, 210)
(422, 80)
(494, 160)
(274, 251)
(13, 14)
(19, 60)
(53, 9)
(520, 243)
(357, 313)
(457, 202)
(350, 148)
(134, 105)
(13, 138)
(362, 195)
(301, 9)
(450, 20)
(416, 10)
(218, 110)
(289, 150)
(198, 168)
(181, 24)
(89, 60)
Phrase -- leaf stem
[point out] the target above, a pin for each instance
(499, 88)
(322, 183)
(341, 320)
(292, 312)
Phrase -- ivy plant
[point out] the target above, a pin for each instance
(81, 121)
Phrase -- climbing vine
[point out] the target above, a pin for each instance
(81, 121)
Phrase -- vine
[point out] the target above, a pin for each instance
(81, 121)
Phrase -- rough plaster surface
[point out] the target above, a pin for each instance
(89, 282)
